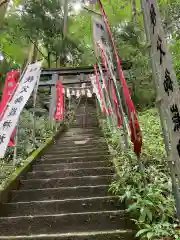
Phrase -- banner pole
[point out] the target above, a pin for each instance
(34, 112)
(17, 126)
(16, 145)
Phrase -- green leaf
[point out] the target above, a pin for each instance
(132, 207)
(147, 202)
(141, 232)
(143, 215)
(150, 235)
(149, 214)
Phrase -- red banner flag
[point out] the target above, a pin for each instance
(10, 85)
(136, 136)
(59, 113)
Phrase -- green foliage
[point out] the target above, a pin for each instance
(150, 204)
(25, 142)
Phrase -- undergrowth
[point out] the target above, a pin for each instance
(150, 205)
(25, 143)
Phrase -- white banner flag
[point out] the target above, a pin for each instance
(89, 94)
(83, 92)
(95, 88)
(17, 103)
(78, 94)
(99, 31)
(166, 81)
(68, 93)
(73, 93)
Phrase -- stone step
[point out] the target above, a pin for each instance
(77, 148)
(57, 160)
(80, 137)
(83, 134)
(81, 142)
(79, 165)
(63, 223)
(83, 131)
(77, 125)
(95, 235)
(61, 206)
(70, 173)
(91, 128)
(77, 154)
(59, 193)
(79, 145)
(66, 182)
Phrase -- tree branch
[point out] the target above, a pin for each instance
(3, 3)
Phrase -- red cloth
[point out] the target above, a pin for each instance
(59, 113)
(9, 87)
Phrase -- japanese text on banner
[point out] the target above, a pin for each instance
(166, 82)
(17, 103)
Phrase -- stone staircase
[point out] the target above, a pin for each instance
(66, 195)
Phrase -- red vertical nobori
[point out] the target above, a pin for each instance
(59, 113)
(136, 137)
(9, 87)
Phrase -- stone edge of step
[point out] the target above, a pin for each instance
(115, 212)
(73, 234)
(71, 170)
(60, 188)
(73, 163)
(64, 200)
(66, 178)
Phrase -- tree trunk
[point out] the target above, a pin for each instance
(28, 58)
(35, 52)
(3, 9)
(56, 60)
(134, 10)
(49, 59)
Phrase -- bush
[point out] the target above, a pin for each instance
(25, 142)
(148, 196)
